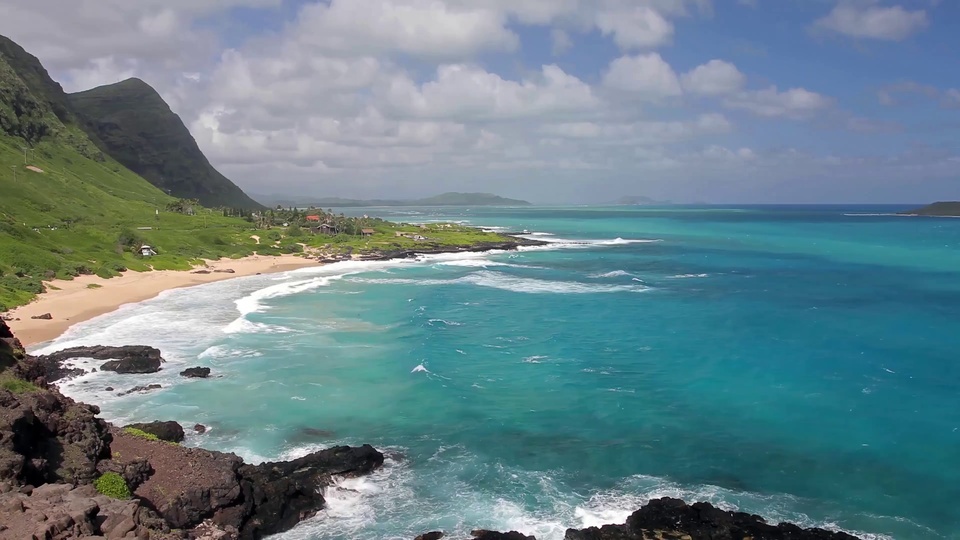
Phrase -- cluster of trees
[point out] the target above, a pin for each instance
(296, 219)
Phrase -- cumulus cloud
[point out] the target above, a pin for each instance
(646, 77)
(905, 91)
(637, 27)
(715, 78)
(893, 23)
(795, 103)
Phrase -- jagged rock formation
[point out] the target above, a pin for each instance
(127, 359)
(673, 519)
(169, 431)
(196, 372)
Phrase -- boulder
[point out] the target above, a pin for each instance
(141, 389)
(493, 535)
(433, 535)
(196, 372)
(165, 431)
(126, 359)
(200, 428)
(44, 317)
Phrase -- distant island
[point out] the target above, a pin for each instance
(937, 209)
(445, 199)
(640, 200)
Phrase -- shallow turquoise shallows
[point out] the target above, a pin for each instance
(796, 362)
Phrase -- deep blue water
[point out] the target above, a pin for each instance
(796, 362)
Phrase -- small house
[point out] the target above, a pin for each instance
(367, 232)
(147, 251)
(313, 218)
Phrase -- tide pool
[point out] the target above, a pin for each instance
(795, 362)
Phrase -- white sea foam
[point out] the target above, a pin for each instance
(535, 359)
(689, 276)
(420, 369)
(613, 274)
(444, 322)
(498, 280)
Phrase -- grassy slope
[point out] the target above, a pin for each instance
(138, 129)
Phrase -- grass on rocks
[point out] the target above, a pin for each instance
(113, 485)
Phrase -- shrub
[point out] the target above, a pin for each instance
(140, 433)
(113, 485)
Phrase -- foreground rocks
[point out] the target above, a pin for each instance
(673, 519)
(196, 372)
(52, 449)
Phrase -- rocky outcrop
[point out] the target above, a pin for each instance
(673, 519)
(139, 389)
(196, 372)
(61, 511)
(46, 437)
(127, 359)
(169, 431)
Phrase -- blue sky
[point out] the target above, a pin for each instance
(550, 100)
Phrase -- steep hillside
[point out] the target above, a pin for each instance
(937, 209)
(140, 131)
(67, 209)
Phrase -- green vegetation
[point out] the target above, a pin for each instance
(94, 286)
(69, 206)
(445, 199)
(113, 485)
(134, 432)
(138, 129)
(15, 385)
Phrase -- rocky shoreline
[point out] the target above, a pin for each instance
(64, 474)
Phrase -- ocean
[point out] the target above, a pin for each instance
(800, 363)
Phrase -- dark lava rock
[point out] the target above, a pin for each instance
(493, 535)
(200, 272)
(134, 472)
(46, 437)
(165, 431)
(196, 372)
(434, 535)
(44, 317)
(277, 496)
(226, 271)
(109, 389)
(699, 521)
(127, 359)
(147, 388)
(200, 428)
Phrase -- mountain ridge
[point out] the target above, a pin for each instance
(136, 126)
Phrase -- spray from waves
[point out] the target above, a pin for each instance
(689, 276)
(567, 243)
(404, 499)
(420, 369)
(506, 282)
(615, 273)
(535, 359)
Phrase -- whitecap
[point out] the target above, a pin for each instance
(689, 276)
(535, 359)
(506, 282)
(613, 274)
(420, 369)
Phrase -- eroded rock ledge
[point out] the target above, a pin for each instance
(673, 519)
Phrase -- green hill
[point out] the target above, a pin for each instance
(67, 208)
(937, 209)
(138, 129)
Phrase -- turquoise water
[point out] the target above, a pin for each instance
(796, 362)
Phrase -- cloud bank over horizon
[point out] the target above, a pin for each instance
(551, 101)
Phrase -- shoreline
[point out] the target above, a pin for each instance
(75, 301)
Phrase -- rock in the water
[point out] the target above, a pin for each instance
(196, 372)
(141, 389)
(699, 521)
(165, 431)
(200, 428)
(434, 535)
(127, 359)
(493, 535)
(44, 317)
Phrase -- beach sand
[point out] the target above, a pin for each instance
(74, 301)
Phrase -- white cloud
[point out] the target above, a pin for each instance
(868, 21)
(637, 27)
(560, 40)
(795, 103)
(427, 28)
(714, 78)
(904, 91)
(646, 77)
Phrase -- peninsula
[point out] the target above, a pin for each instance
(937, 209)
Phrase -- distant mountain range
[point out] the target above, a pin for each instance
(937, 209)
(445, 199)
(640, 200)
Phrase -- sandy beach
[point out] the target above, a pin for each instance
(86, 297)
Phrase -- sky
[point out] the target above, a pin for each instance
(553, 101)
